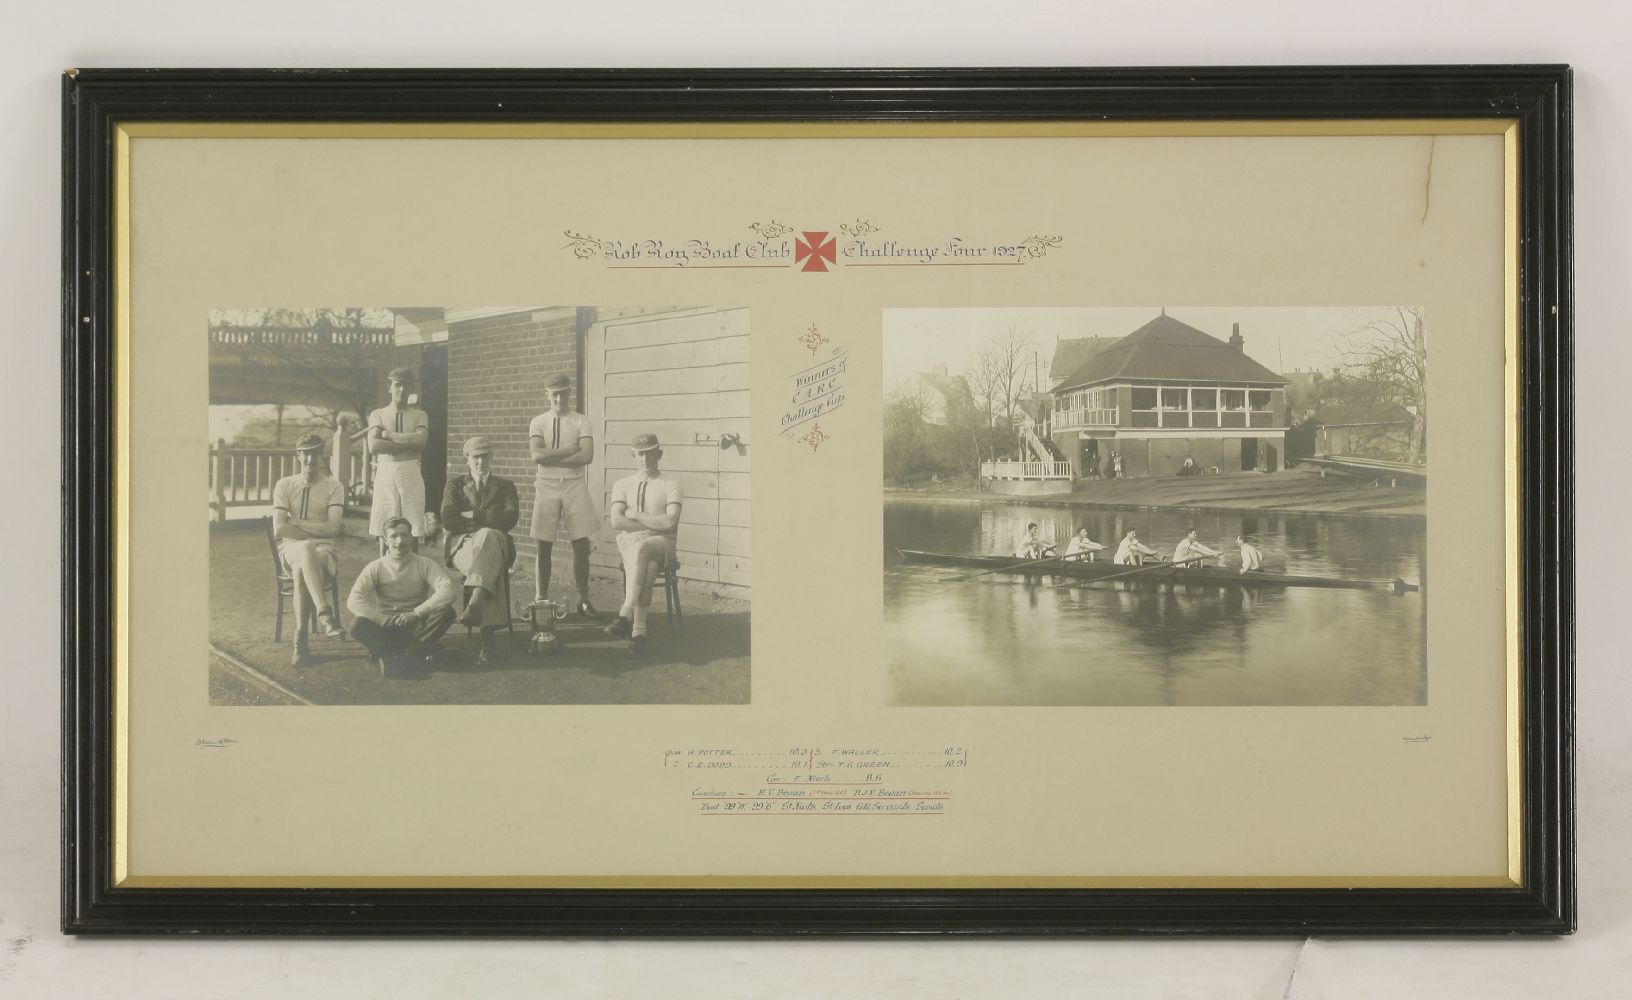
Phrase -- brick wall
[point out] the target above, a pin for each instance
(497, 368)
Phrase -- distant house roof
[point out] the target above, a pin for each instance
(1035, 405)
(1069, 355)
(1164, 348)
(951, 387)
(1379, 411)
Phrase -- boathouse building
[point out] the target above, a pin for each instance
(1167, 392)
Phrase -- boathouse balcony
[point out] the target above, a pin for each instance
(1171, 407)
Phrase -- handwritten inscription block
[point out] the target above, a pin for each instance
(818, 781)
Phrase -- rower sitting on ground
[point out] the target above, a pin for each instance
(1082, 548)
(1132, 552)
(1191, 551)
(1252, 561)
(403, 603)
(1032, 546)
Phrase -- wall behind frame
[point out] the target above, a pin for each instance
(37, 962)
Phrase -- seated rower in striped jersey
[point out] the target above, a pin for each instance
(645, 512)
(306, 511)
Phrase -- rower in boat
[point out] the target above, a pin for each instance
(1252, 561)
(1082, 548)
(1192, 552)
(1132, 551)
(1117, 570)
(1032, 547)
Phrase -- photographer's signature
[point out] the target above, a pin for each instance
(220, 744)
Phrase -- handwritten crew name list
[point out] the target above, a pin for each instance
(818, 781)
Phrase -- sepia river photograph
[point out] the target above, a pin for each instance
(1156, 506)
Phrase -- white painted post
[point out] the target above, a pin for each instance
(340, 461)
(220, 457)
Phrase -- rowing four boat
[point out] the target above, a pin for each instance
(1169, 574)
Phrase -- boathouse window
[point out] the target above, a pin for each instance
(1175, 407)
(1235, 399)
(1261, 414)
(1144, 406)
(1204, 407)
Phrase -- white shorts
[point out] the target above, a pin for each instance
(399, 491)
(555, 500)
(324, 549)
(630, 542)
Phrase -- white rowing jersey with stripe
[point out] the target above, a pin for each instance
(560, 431)
(392, 419)
(647, 496)
(308, 501)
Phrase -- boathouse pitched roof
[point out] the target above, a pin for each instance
(1165, 348)
(1071, 354)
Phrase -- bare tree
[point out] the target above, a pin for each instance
(998, 373)
(1387, 361)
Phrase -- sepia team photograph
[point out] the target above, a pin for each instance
(1156, 506)
(495, 505)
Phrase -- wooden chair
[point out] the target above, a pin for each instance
(285, 586)
(668, 579)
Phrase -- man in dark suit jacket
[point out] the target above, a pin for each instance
(478, 512)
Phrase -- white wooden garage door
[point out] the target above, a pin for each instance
(681, 374)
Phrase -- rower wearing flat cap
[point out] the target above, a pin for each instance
(478, 511)
(645, 512)
(561, 445)
(396, 435)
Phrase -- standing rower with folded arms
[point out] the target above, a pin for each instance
(561, 445)
(396, 436)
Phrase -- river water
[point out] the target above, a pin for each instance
(1002, 639)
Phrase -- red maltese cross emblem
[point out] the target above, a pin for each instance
(813, 250)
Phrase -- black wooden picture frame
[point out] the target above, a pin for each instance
(96, 102)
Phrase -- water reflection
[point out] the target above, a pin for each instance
(1005, 639)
